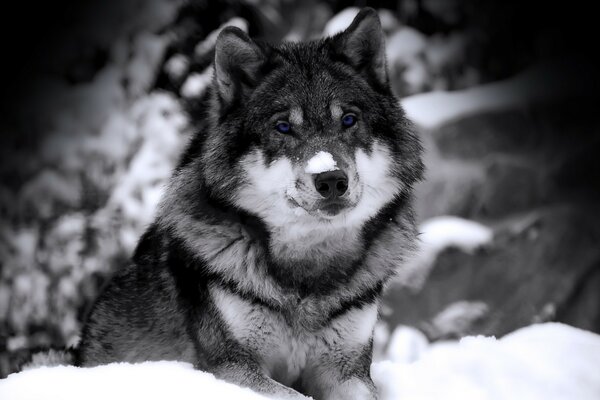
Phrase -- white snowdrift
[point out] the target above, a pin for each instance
(547, 361)
(150, 380)
(541, 83)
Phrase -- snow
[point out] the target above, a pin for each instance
(196, 84)
(177, 66)
(406, 345)
(150, 380)
(546, 361)
(433, 109)
(446, 231)
(321, 162)
(141, 70)
(340, 21)
(405, 51)
(405, 44)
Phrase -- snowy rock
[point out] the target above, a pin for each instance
(405, 56)
(448, 231)
(534, 260)
(440, 233)
(148, 50)
(456, 320)
(405, 45)
(431, 110)
(49, 192)
(389, 21)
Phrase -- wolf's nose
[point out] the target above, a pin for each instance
(331, 184)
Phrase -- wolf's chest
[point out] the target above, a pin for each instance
(284, 350)
(287, 350)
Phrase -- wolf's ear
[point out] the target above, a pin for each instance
(363, 44)
(237, 62)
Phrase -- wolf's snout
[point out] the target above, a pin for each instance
(331, 184)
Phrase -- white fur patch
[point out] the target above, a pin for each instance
(355, 327)
(296, 116)
(379, 187)
(336, 110)
(266, 187)
(268, 191)
(237, 313)
(284, 354)
(321, 162)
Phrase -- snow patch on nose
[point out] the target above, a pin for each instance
(321, 162)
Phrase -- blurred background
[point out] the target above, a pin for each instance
(94, 105)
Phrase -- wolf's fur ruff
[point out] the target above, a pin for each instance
(251, 273)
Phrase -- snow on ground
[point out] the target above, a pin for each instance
(151, 380)
(433, 109)
(546, 361)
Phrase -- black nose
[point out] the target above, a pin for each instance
(331, 184)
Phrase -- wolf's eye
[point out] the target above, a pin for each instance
(283, 127)
(348, 120)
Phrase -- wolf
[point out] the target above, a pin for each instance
(285, 218)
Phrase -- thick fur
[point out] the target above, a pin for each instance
(247, 272)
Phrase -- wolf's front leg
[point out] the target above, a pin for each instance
(342, 380)
(340, 368)
(354, 388)
(250, 376)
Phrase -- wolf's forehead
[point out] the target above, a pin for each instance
(297, 112)
(310, 85)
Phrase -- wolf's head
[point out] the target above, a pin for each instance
(308, 133)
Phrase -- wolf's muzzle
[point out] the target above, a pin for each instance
(331, 184)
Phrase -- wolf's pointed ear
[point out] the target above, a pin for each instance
(363, 44)
(237, 62)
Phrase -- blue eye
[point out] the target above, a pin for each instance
(348, 120)
(283, 127)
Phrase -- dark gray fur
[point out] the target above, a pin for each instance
(162, 306)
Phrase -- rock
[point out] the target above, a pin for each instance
(477, 136)
(511, 185)
(536, 264)
(581, 309)
(449, 188)
(500, 163)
